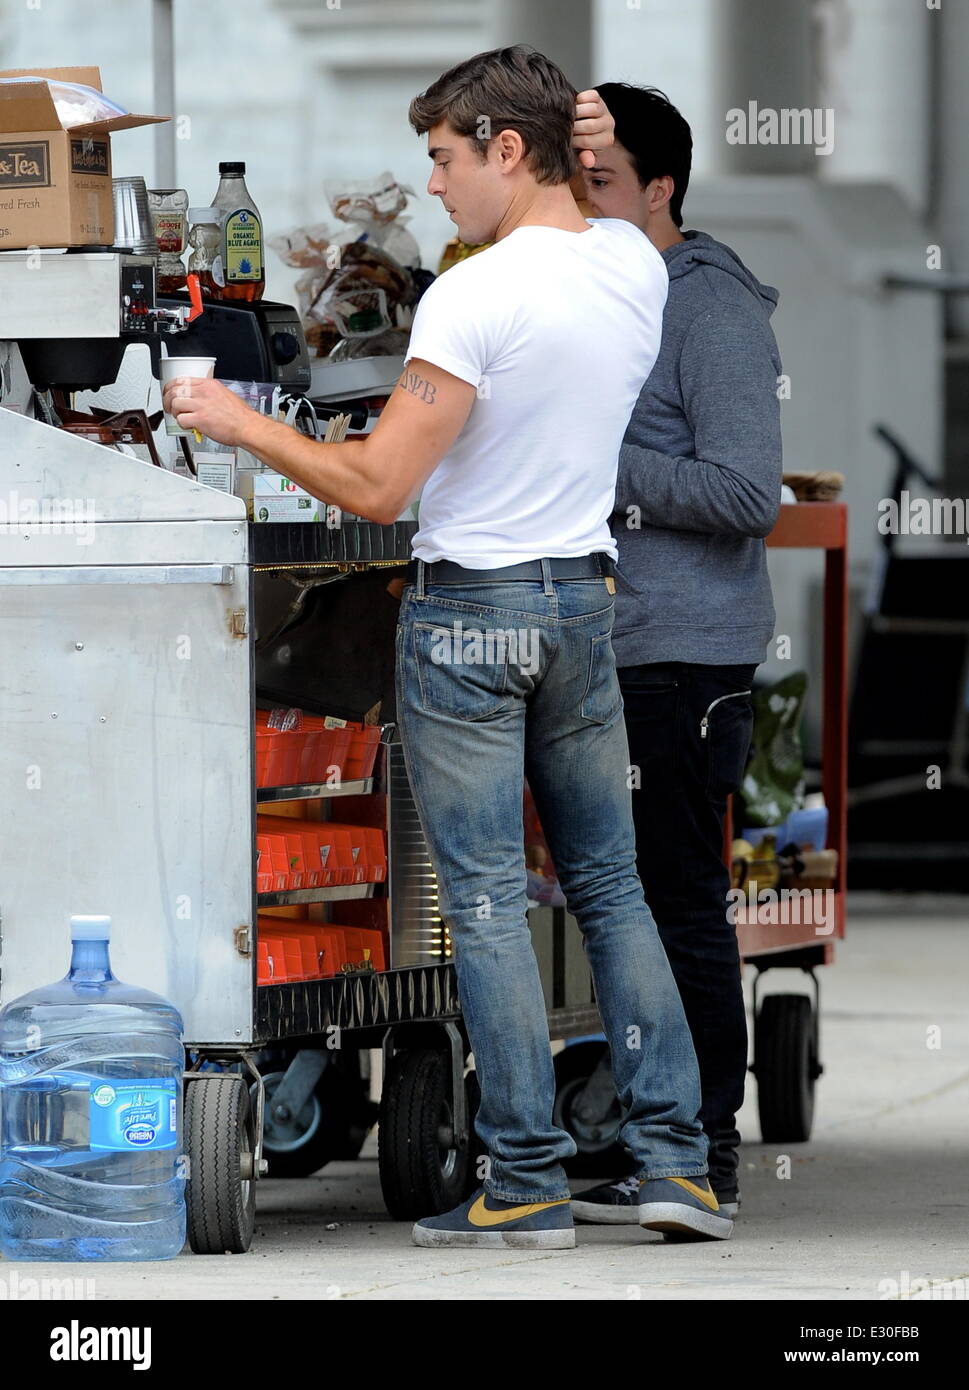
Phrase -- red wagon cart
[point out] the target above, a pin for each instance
(786, 1060)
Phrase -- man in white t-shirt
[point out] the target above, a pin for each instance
(525, 362)
(546, 327)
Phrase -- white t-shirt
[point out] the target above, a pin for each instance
(558, 331)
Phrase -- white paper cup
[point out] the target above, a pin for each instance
(171, 367)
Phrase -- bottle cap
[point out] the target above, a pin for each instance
(202, 215)
(90, 928)
(232, 167)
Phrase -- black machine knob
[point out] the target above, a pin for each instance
(285, 347)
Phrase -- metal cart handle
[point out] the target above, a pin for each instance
(119, 574)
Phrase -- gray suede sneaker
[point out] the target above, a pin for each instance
(683, 1208)
(617, 1203)
(486, 1221)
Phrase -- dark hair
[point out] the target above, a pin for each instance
(657, 137)
(515, 89)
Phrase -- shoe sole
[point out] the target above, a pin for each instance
(605, 1215)
(429, 1237)
(684, 1221)
(626, 1216)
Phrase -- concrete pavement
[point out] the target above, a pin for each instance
(878, 1198)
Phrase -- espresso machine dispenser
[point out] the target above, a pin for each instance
(99, 302)
(74, 314)
(262, 341)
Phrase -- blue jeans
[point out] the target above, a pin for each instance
(538, 696)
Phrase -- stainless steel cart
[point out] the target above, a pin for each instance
(140, 612)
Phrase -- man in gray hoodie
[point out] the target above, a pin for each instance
(698, 489)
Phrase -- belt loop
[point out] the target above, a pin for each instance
(547, 576)
(419, 591)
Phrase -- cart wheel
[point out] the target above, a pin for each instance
(422, 1171)
(333, 1124)
(221, 1193)
(600, 1154)
(786, 1067)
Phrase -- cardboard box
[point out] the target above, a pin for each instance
(271, 497)
(55, 183)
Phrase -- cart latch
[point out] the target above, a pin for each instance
(243, 940)
(239, 622)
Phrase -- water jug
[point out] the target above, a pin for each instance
(91, 1116)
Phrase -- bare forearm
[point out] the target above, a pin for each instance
(341, 474)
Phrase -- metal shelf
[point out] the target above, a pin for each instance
(314, 791)
(379, 998)
(363, 999)
(303, 544)
(290, 897)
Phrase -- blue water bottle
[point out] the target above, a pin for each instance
(91, 1163)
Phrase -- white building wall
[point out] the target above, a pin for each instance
(667, 44)
(875, 76)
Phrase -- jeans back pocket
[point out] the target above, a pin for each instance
(602, 699)
(461, 671)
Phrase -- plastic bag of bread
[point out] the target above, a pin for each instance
(364, 295)
(306, 247)
(374, 206)
(311, 250)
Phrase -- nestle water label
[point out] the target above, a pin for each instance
(133, 1114)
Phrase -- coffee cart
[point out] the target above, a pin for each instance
(144, 619)
(141, 612)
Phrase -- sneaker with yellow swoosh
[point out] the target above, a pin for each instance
(487, 1221)
(683, 1208)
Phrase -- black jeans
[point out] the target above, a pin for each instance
(689, 731)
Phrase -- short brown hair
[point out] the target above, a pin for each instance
(515, 89)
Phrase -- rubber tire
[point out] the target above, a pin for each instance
(785, 1062)
(219, 1127)
(416, 1092)
(574, 1064)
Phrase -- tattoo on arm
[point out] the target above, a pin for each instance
(419, 386)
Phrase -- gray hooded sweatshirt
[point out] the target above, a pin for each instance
(699, 478)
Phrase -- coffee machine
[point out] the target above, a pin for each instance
(262, 341)
(73, 315)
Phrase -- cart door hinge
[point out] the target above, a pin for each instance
(243, 940)
(239, 622)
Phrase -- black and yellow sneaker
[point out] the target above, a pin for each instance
(729, 1200)
(617, 1203)
(486, 1221)
(609, 1204)
(683, 1209)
